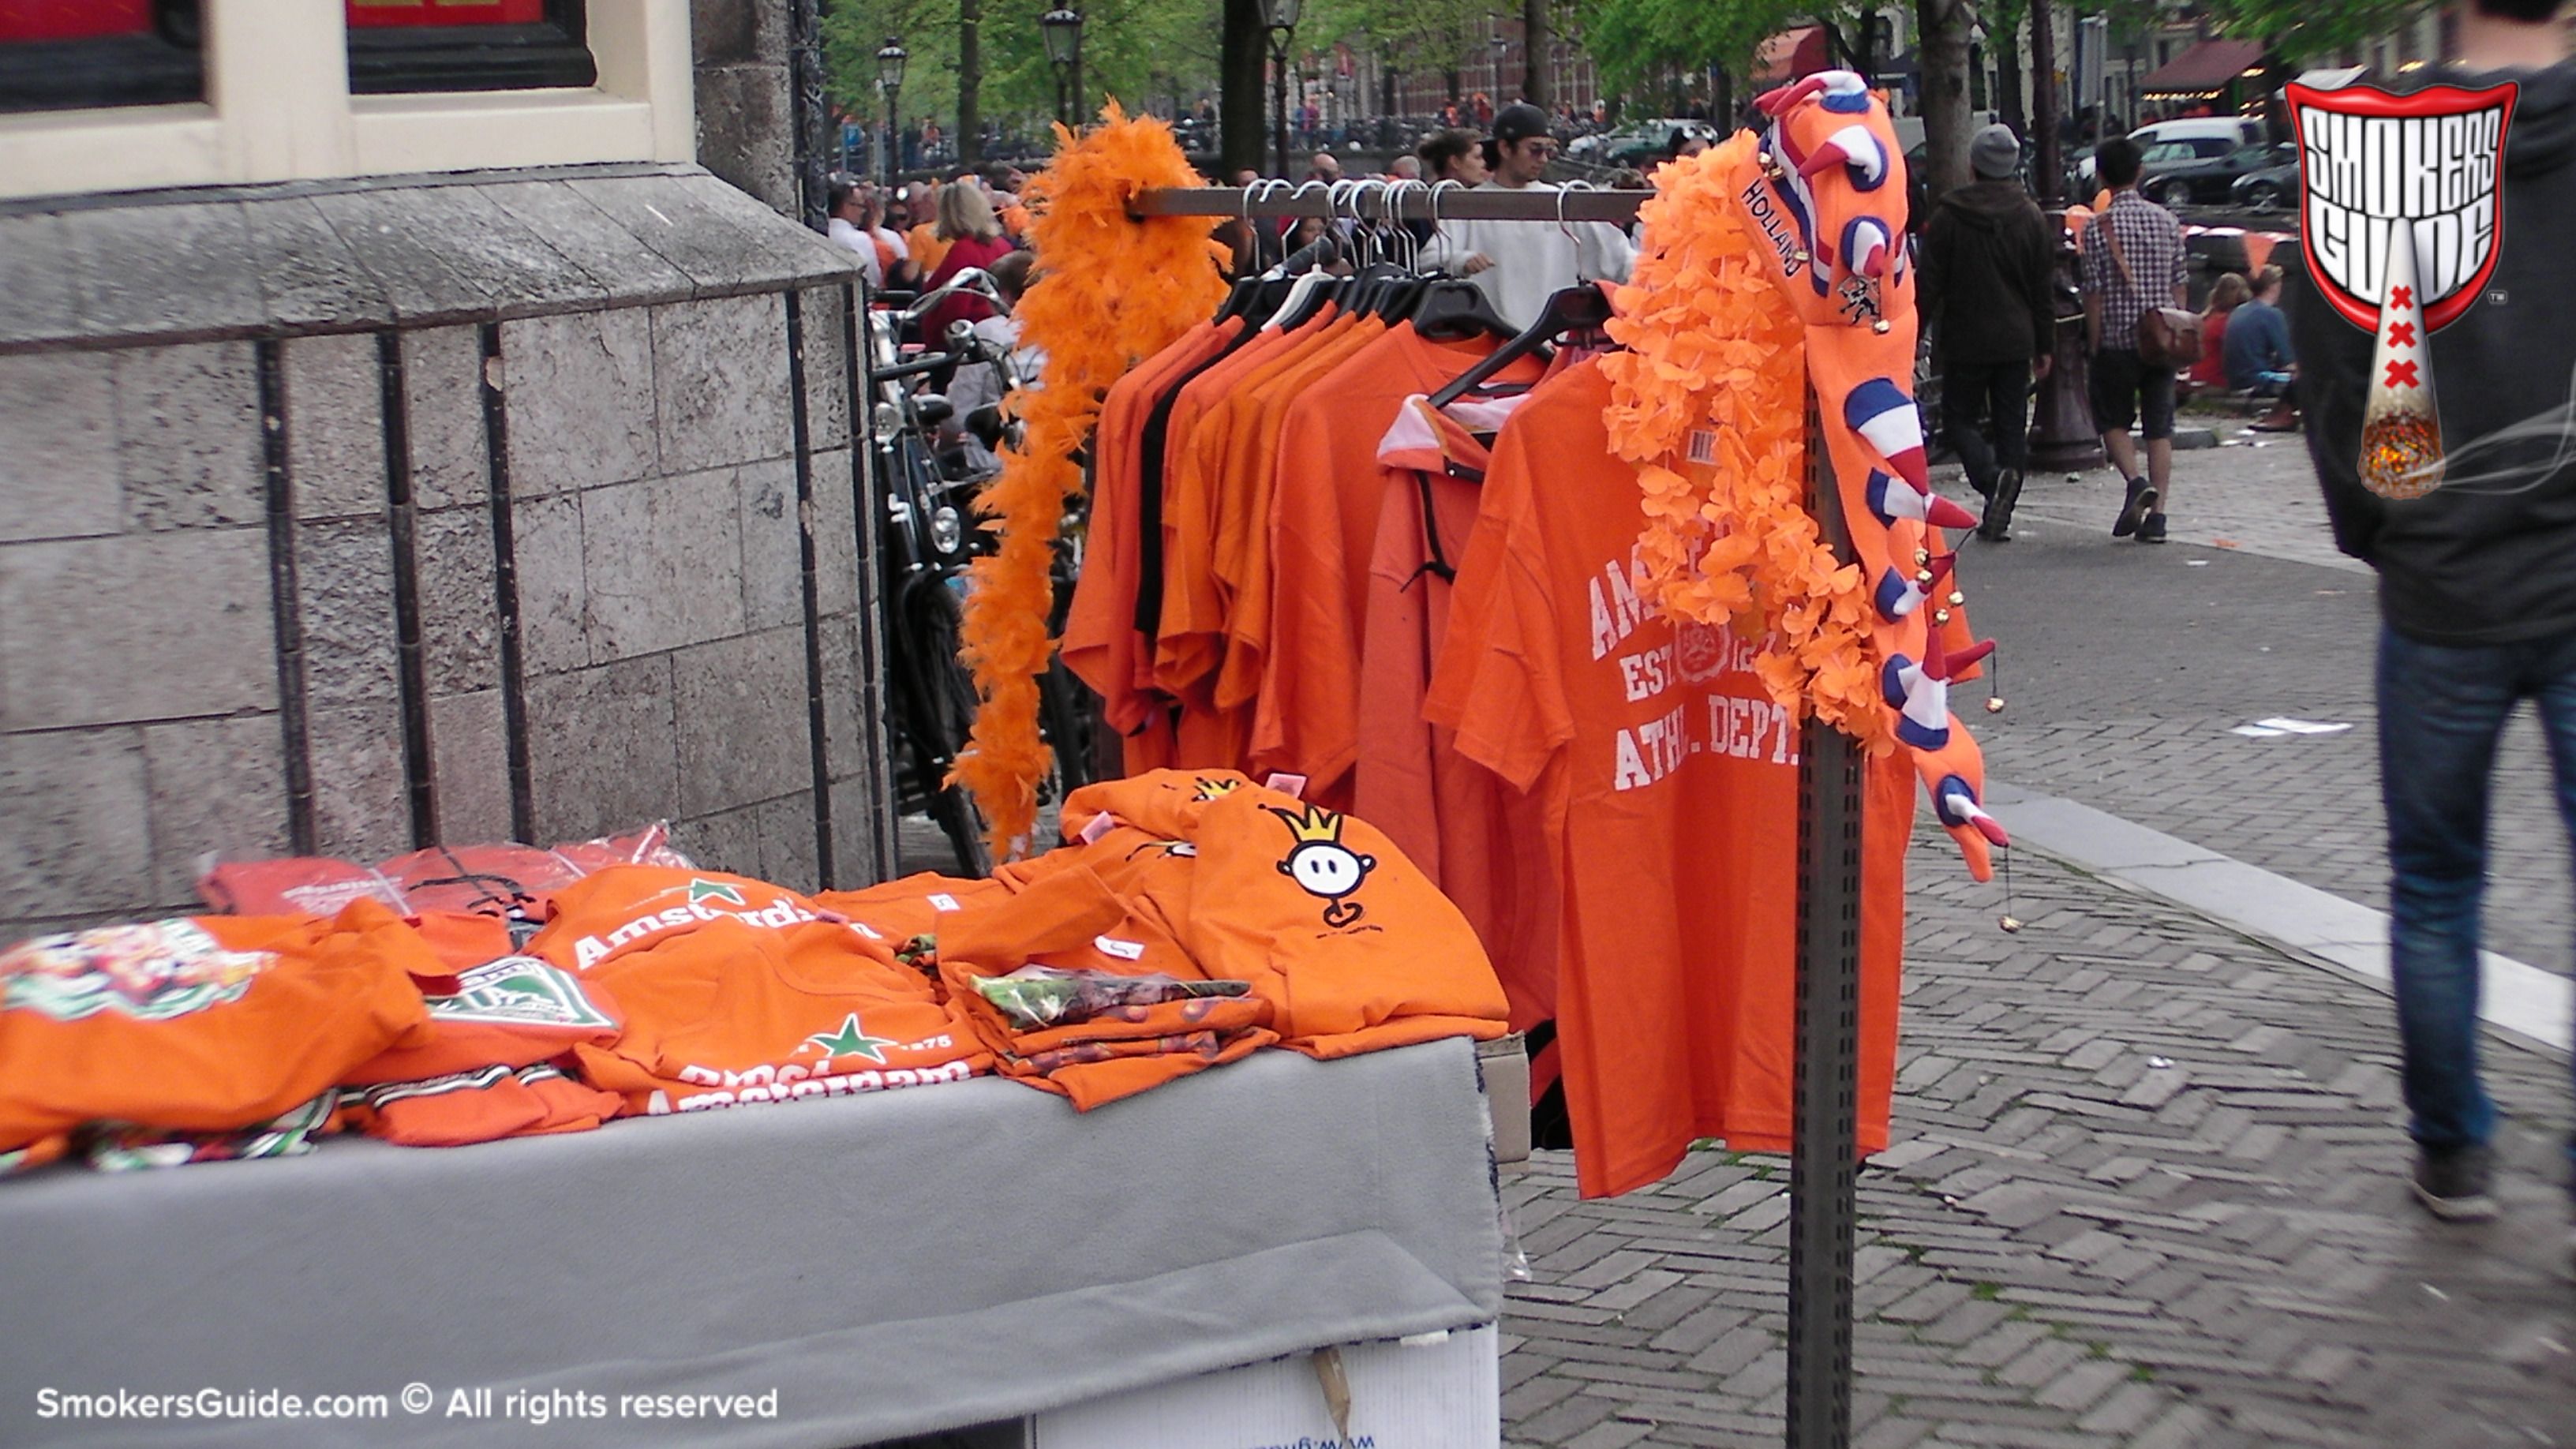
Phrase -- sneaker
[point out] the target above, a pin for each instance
(2455, 1186)
(2153, 530)
(2141, 501)
(1997, 527)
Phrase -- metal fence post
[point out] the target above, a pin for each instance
(1824, 1145)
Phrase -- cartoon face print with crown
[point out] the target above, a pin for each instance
(1321, 865)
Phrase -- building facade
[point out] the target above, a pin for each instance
(404, 442)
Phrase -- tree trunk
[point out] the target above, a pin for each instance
(970, 82)
(1242, 115)
(2051, 180)
(1942, 48)
(2006, 50)
(1537, 85)
(1450, 77)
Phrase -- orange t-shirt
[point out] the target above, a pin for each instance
(1100, 640)
(736, 991)
(1483, 841)
(1243, 539)
(1671, 790)
(928, 251)
(1323, 523)
(198, 1024)
(1202, 485)
(1202, 740)
(1325, 917)
(1074, 920)
(489, 1005)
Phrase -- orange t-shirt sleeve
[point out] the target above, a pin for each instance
(1497, 681)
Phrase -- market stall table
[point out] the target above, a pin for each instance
(890, 1265)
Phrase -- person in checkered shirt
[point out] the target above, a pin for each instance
(2133, 260)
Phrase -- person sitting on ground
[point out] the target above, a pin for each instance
(2230, 293)
(2257, 352)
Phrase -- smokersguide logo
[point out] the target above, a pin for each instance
(2402, 220)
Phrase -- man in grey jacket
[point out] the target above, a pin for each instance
(1988, 255)
(2477, 575)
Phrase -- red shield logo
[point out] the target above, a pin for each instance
(2376, 166)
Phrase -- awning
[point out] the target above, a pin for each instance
(1790, 55)
(2204, 68)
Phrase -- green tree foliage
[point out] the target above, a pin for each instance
(2304, 29)
(1635, 41)
(1138, 51)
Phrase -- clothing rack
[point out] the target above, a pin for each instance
(1404, 200)
(1824, 1129)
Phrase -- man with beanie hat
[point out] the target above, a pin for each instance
(1984, 293)
(1516, 265)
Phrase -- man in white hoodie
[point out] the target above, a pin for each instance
(1520, 264)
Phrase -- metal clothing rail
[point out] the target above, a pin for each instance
(1408, 201)
(1824, 1150)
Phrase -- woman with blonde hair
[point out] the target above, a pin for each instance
(2230, 293)
(974, 239)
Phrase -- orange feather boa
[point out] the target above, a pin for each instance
(1111, 290)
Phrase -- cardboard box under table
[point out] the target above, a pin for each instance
(889, 1265)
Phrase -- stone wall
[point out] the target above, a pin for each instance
(442, 577)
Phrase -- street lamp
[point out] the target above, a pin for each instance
(1500, 45)
(1279, 18)
(1062, 27)
(890, 59)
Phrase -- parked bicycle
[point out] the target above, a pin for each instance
(931, 465)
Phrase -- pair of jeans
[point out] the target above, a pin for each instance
(1982, 414)
(2441, 709)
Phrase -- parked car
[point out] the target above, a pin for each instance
(2273, 187)
(2181, 173)
(2232, 131)
(1639, 143)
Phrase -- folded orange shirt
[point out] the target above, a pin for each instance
(736, 991)
(479, 1106)
(913, 906)
(1326, 918)
(197, 1024)
(1074, 921)
(489, 1006)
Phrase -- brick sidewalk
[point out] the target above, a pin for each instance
(2126, 667)
(2146, 1191)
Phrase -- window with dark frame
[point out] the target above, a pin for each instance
(467, 45)
(67, 54)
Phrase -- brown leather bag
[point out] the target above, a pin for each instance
(2168, 337)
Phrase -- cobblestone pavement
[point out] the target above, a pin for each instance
(2125, 668)
(2145, 1190)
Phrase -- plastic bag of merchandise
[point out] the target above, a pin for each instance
(504, 879)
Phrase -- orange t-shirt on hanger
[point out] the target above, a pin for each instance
(1671, 785)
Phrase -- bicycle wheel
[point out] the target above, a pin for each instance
(943, 707)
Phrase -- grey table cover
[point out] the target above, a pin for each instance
(892, 1264)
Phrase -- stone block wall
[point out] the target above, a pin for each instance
(353, 592)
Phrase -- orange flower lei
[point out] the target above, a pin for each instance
(1713, 355)
(1110, 290)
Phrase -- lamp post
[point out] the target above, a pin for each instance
(1062, 28)
(890, 60)
(1500, 45)
(1279, 18)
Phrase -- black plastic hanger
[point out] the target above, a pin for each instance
(1574, 309)
(1453, 311)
